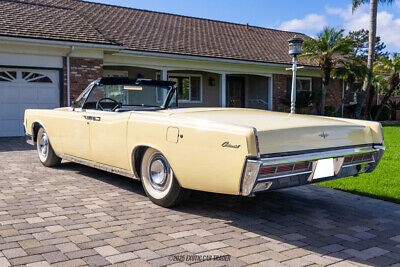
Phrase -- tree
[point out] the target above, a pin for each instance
(326, 49)
(360, 45)
(373, 10)
(388, 69)
(352, 70)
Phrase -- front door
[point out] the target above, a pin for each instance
(235, 92)
(108, 138)
(74, 133)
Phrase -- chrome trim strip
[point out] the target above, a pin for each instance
(357, 163)
(257, 142)
(316, 156)
(100, 166)
(281, 176)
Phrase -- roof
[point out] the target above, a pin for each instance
(19, 19)
(143, 30)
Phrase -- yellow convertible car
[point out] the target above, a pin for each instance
(134, 127)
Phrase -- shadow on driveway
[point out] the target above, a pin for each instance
(302, 225)
(9, 144)
(325, 222)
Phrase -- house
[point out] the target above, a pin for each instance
(51, 49)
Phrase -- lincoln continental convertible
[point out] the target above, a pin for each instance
(134, 127)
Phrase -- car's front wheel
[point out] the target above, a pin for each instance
(47, 156)
(159, 181)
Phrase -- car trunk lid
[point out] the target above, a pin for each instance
(281, 132)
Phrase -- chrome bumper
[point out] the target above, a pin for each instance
(362, 159)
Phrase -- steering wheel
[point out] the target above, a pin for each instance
(100, 107)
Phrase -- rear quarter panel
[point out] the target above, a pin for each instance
(374, 127)
(197, 158)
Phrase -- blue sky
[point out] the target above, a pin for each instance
(307, 16)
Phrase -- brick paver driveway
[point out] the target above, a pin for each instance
(76, 215)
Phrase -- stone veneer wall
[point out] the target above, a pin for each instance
(82, 72)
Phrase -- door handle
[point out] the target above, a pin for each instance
(92, 118)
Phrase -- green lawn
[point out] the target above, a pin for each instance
(384, 182)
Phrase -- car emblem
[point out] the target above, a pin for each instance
(227, 144)
(324, 135)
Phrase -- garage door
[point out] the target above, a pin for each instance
(22, 89)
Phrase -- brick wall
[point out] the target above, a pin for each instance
(82, 72)
(334, 92)
(279, 90)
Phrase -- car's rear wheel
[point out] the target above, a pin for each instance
(159, 181)
(47, 156)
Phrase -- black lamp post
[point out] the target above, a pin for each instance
(294, 50)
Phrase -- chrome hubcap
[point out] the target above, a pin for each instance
(158, 173)
(43, 145)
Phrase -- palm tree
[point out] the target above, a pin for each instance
(389, 68)
(352, 71)
(326, 49)
(373, 10)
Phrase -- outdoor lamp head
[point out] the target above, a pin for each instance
(295, 46)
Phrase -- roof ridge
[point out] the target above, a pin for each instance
(96, 29)
(191, 17)
(37, 4)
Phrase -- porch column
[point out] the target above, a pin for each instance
(271, 93)
(164, 75)
(222, 89)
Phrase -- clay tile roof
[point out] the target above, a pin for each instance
(142, 30)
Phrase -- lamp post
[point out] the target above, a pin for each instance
(294, 50)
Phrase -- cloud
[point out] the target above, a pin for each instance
(311, 22)
(388, 27)
(344, 13)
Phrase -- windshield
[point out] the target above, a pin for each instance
(130, 94)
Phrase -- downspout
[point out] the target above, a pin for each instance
(68, 77)
(343, 85)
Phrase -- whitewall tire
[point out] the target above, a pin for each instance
(46, 154)
(159, 181)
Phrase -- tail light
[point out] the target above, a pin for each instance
(359, 158)
(286, 168)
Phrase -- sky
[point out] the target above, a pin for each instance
(306, 16)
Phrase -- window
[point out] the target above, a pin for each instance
(303, 91)
(7, 76)
(303, 86)
(32, 77)
(189, 86)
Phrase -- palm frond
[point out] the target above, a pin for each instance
(357, 3)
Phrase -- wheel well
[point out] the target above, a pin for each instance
(137, 157)
(35, 130)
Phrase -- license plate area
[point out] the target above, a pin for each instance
(324, 169)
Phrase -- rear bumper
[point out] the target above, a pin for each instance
(266, 174)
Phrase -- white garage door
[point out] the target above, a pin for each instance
(22, 89)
